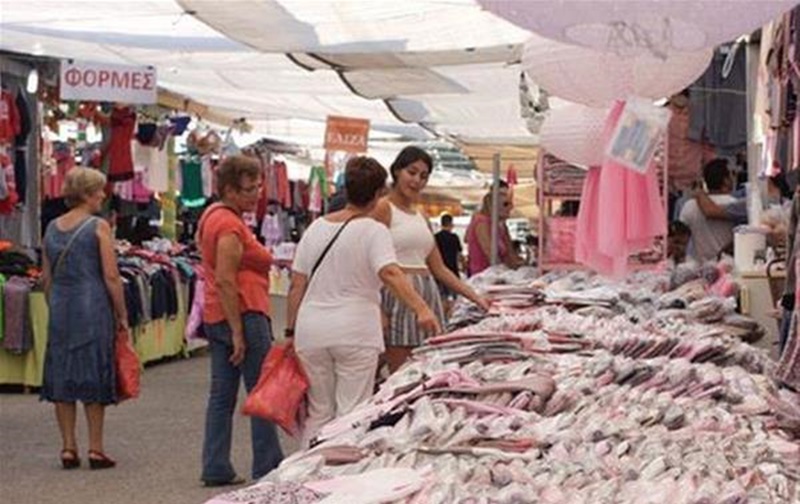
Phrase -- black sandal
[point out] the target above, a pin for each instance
(235, 481)
(99, 460)
(70, 459)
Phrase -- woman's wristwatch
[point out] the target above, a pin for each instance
(288, 332)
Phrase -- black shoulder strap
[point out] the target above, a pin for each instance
(328, 246)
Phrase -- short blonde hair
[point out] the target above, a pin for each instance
(80, 183)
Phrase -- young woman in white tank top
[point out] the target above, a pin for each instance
(417, 254)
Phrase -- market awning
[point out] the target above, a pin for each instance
(397, 64)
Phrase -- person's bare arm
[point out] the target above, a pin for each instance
(396, 280)
(111, 276)
(442, 273)
(382, 212)
(710, 209)
(229, 257)
(296, 293)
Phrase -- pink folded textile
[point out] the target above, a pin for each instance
(621, 212)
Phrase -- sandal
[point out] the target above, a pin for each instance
(70, 459)
(99, 460)
(235, 481)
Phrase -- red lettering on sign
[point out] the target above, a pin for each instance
(89, 78)
(149, 83)
(136, 78)
(72, 77)
(120, 79)
(103, 78)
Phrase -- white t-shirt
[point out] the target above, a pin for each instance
(342, 301)
(709, 236)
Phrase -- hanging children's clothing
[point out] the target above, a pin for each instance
(9, 118)
(272, 230)
(192, 182)
(8, 190)
(154, 162)
(318, 189)
(21, 146)
(118, 152)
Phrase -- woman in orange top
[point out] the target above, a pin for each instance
(236, 319)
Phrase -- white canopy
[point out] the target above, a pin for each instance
(446, 65)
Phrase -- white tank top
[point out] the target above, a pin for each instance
(413, 240)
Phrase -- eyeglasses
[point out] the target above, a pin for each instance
(254, 189)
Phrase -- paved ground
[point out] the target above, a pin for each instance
(156, 440)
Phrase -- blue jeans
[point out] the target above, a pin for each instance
(225, 378)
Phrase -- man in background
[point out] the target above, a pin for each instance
(711, 236)
(450, 247)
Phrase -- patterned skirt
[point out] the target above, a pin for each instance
(403, 330)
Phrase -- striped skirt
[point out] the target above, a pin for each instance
(403, 330)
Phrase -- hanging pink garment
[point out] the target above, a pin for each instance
(511, 176)
(621, 212)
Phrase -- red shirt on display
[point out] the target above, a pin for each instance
(9, 118)
(118, 151)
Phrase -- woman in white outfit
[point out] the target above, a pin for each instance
(334, 309)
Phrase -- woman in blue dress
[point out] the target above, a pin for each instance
(87, 306)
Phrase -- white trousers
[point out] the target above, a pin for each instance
(340, 378)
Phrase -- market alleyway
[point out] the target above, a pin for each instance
(156, 440)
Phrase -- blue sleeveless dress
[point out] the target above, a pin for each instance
(79, 361)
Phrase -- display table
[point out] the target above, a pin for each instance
(153, 341)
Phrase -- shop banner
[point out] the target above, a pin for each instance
(641, 127)
(346, 134)
(111, 83)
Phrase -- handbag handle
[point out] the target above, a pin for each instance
(60, 260)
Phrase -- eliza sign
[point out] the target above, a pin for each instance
(346, 134)
(103, 82)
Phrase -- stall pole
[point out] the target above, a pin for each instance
(495, 206)
(754, 204)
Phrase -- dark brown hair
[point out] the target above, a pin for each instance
(409, 156)
(364, 178)
(231, 172)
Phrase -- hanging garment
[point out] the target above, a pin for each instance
(207, 175)
(318, 189)
(272, 229)
(9, 118)
(718, 101)
(63, 160)
(17, 331)
(154, 163)
(118, 152)
(8, 189)
(511, 176)
(622, 203)
(192, 182)
(284, 190)
(21, 146)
